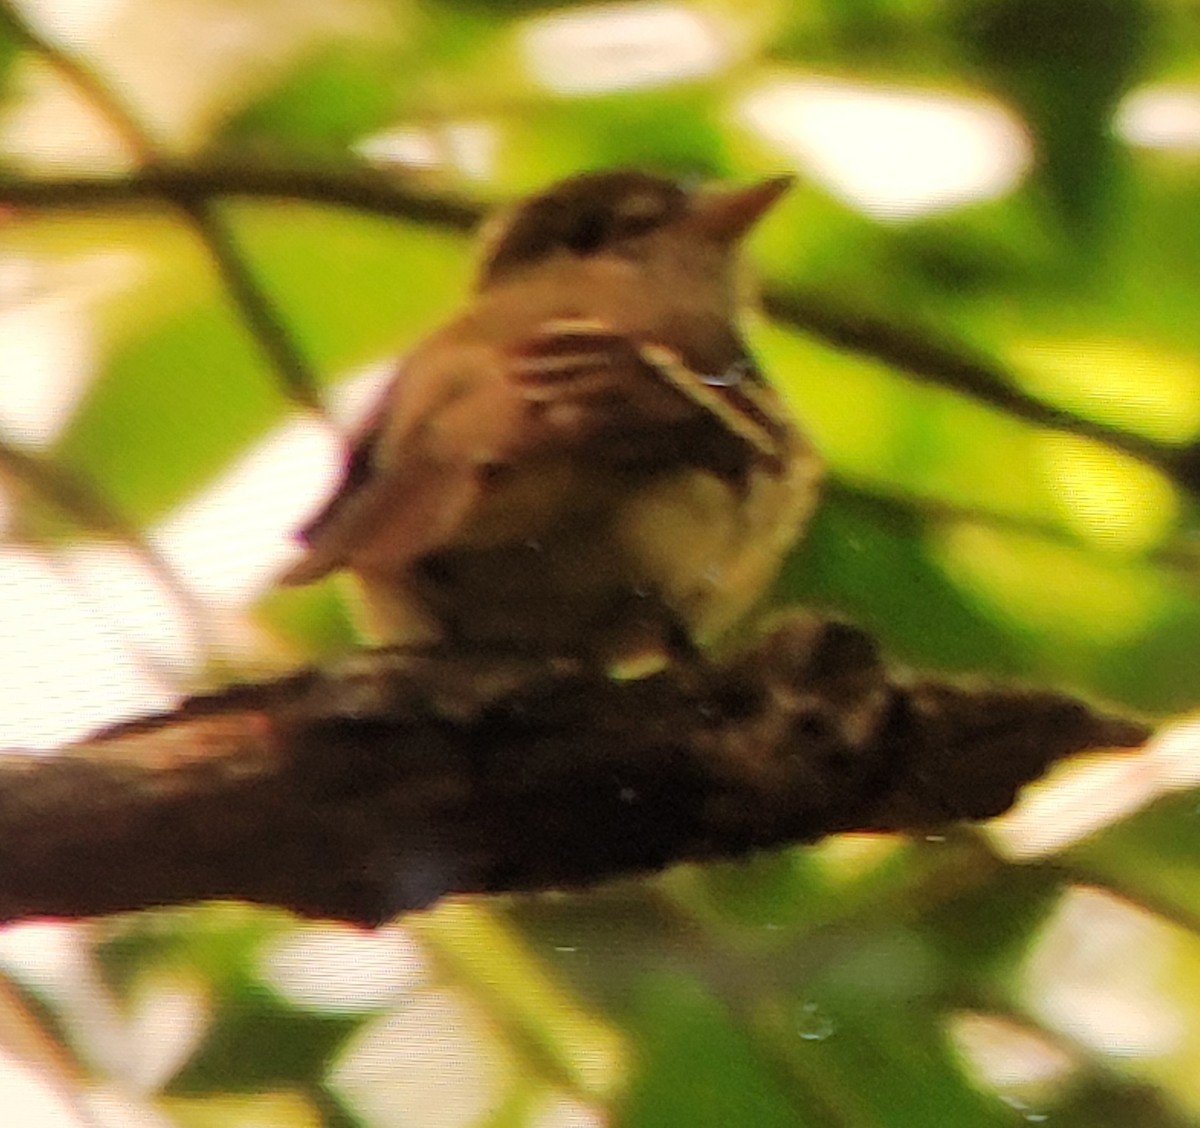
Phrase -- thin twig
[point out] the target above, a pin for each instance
(70, 493)
(919, 353)
(900, 509)
(84, 504)
(79, 74)
(259, 313)
(256, 308)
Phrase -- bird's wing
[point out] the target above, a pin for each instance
(410, 474)
(439, 447)
(641, 400)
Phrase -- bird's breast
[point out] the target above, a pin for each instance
(559, 557)
(710, 546)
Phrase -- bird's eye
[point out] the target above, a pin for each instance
(588, 233)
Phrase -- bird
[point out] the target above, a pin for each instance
(587, 460)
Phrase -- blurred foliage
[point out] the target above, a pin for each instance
(811, 987)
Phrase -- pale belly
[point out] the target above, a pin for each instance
(615, 567)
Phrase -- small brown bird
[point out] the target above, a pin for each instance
(586, 461)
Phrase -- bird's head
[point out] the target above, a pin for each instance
(620, 213)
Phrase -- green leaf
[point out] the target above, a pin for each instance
(1065, 63)
(696, 1069)
(879, 572)
(986, 930)
(220, 941)
(1105, 1101)
(172, 407)
(672, 131)
(331, 99)
(10, 51)
(256, 1042)
(1153, 858)
(876, 1060)
(351, 287)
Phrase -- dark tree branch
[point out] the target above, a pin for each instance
(402, 776)
(908, 514)
(358, 188)
(914, 351)
(947, 364)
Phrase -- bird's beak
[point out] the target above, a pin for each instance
(726, 215)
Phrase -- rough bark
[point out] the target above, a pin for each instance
(397, 777)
